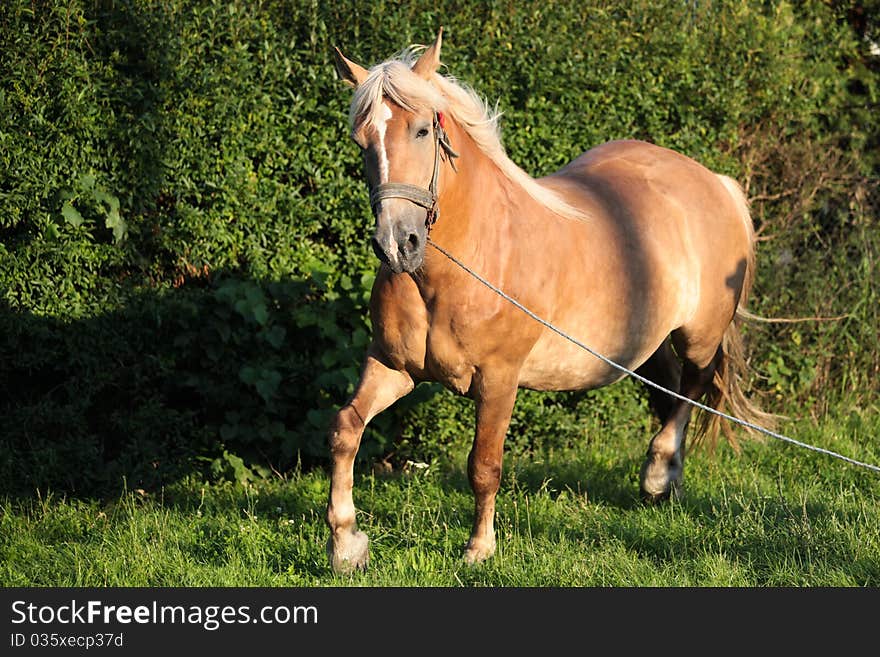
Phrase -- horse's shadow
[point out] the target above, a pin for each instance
(588, 477)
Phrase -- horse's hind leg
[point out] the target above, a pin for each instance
(662, 470)
(664, 369)
(379, 387)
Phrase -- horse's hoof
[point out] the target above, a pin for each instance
(478, 551)
(653, 498)
(660, 479)
(671, 490)
(349, 554)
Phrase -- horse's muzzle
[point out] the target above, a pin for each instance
(401, 247)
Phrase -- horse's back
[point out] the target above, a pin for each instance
(666, 247)
(639, 170)
(662, 194)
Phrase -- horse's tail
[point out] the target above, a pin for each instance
(726, 393)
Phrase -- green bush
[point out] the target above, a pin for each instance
(184, 260)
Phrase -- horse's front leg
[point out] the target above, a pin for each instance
(494, 404)
(379, 387)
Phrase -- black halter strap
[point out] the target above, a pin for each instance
(426, 198)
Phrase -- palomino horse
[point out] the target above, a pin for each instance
(642, 253)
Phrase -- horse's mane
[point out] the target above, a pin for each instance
(394, 79)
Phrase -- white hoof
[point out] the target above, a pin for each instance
(478, 551)
(660, 479)
(349, 552)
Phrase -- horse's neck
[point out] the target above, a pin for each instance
(477, 202)
(486, 221)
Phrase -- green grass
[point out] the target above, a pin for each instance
(775, 515)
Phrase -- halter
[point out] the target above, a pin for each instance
(427, 198)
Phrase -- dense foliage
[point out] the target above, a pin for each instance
(184, 260)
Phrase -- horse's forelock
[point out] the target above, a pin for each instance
(395, 81)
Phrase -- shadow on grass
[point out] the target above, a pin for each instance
(772, 540)
(585, 474)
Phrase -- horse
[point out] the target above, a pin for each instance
(641, 252)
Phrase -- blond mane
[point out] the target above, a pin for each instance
(394, 79)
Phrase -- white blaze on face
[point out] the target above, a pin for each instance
(381, 126)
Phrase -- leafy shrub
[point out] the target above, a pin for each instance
(184, 261)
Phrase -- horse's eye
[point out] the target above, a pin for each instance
(422, 133)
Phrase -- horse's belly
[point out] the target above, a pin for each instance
(555, 363)
(565, 371)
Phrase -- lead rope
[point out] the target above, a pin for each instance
(639, 377)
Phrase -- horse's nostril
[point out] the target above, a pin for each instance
(413, 241)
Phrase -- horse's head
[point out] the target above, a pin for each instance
(397, 120)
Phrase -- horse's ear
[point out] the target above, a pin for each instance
(347, 70)
(430, 59)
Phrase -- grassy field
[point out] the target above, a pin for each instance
(775, 515)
